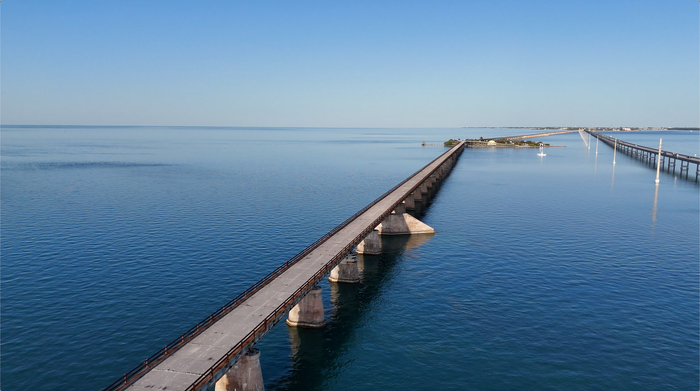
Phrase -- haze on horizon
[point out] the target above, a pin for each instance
(359, 64)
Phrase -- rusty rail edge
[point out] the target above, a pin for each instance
(130, 377)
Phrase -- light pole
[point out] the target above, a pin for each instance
(658, 164)
(596, 145)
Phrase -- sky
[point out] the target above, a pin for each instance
(350, 64)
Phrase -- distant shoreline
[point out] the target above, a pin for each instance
(601, 129)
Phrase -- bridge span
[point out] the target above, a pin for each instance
(650, 155)
(533, 135)
(219, 351)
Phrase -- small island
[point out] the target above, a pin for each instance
(499, 143)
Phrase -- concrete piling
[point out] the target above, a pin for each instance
(401, 223)
(424, 187)
(417, 195)
(410, 202)
(308, 313)
(346, 272)
(371, 245)
(245, 375)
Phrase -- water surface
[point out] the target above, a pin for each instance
(545, 273)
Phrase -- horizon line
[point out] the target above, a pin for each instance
(346, 127)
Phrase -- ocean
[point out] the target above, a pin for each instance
(561, 272)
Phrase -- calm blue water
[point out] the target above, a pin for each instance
(544, 273)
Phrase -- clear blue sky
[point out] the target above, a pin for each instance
(351, 64)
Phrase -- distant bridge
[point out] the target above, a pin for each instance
(649, 155)
(219, 351)
(534, 135)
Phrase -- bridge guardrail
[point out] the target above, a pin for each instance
(193, 332)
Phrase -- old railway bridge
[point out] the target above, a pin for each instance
(219, 351)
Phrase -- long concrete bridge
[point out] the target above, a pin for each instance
(650, 155)
(533, 135)
(219, 351)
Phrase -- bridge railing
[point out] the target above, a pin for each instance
(193, 332)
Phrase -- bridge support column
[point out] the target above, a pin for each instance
(371, 245)
(432, 186)
(401, 223)
(432, 189)
(346, 272)
(424, 187)
(410, 202)
(308, 313)
(400, 208)
(244, 375)
(417, 195)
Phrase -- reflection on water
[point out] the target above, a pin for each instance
(612, 185)
(653, 210)
(585, 141)
(318, 354)
(595, 166)
(409, 242)
(588, 144)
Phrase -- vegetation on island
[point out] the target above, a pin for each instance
(451, 142)
(526, 142)
(521, 143)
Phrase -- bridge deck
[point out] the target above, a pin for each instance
(201, 358)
